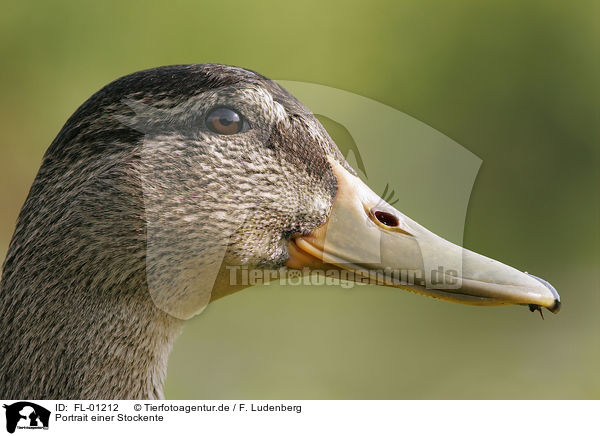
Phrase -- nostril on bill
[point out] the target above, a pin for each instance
(556, 307)
(386, 218)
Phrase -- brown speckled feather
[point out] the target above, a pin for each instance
(136, 167)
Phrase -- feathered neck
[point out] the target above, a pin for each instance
(72, 342)
(76, 318)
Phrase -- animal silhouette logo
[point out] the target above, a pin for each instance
(26, 415)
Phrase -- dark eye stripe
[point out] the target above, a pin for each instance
(224, 121)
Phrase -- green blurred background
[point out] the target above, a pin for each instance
(515, 82)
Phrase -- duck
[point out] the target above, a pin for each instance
(158, 191)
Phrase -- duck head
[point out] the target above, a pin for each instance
(218, 168)
(158, 190)
(236, 173)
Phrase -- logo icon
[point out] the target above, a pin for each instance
(26, 415)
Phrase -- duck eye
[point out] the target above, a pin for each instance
(224, 121)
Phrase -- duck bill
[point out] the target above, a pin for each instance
(378, 244)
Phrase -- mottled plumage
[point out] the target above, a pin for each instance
(141, 204)
(134, 203)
